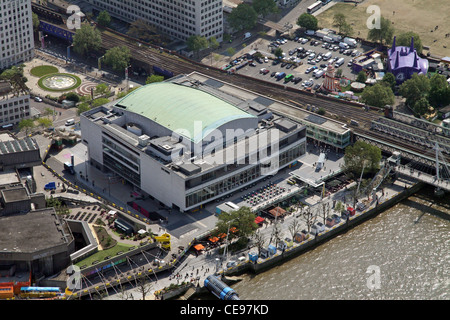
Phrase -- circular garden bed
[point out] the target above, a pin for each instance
(59, 82)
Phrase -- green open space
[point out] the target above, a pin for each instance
(41, 71)
(102, 254)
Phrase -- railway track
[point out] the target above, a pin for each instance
(296, 97)
(335, 109)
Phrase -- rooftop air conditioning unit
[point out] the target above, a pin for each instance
(143, 140)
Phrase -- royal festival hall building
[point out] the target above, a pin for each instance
(191, 139)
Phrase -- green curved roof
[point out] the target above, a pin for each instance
(178, 108)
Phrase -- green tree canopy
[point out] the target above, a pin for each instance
(86, 39)
(404, 39)
(362, 154)
(83, 107)
(307, 21)
(118, 58)
(26, 124)
(143, 30)
(421, 106)
(439, 95)
(243, 17)
(102, 88)
(104, 19)
(154, 78)
(340, 22)
(36, 21)
(389, 80)
(278, 52)
(384, 34)
(378, 95)
(265, 7)
(362, 77)
(213, 43)
(415, 88)
(45, 122)
(243, 219)
(196, 43)
(72, 96)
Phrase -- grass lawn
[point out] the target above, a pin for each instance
(101, 255)
(41, 71)
(420, 16)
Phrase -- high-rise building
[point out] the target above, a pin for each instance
(177, 18)
(16, 32)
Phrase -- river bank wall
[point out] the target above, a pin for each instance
(328, 234)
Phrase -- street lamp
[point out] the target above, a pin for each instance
(99, 63)
(68, 53)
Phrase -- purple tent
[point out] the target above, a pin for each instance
(404, 62)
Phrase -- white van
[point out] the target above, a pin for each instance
(319, 73)
(343, 45)
(70, 122)
(310, 32)
(339, 63)
(327, 56)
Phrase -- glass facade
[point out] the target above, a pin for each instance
(233, 182)
(329, 137)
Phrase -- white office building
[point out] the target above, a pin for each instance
(16, 32)
(177, 18)
(191, 140)
(14, 106)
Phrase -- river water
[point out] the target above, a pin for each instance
(390, 256)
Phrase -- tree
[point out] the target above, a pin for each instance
(118, 58)
(196, 43)
(36, 21)
(278, 53)
(339, 21)
(143, 30)
(421, 106)
(243, 219)
(384, 34)
(231, 51)
(362, 77)
(404, 39)
(389, 80)
(378, 95)
(243, 17)
(415, 88)
(346, 29)
(213, 43)
(307, 21)
(154, 78)
(265, 7)
(86, 39)
(101, 89)
(83, 107)
(99, 102)
(439, 95)
(26, 124)
(359, 155)
(339, 73)
(259, 240)
(72, 96)
(45, 122)
(104, 19)
(294, 227)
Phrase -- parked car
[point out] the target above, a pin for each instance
(38, 99)
(273, 74)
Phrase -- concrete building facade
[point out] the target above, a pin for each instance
(16, 32)
(191, 140)
(177, 18)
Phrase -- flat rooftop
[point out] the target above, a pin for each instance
(14, 194)
(31, 232)
(285, 109)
